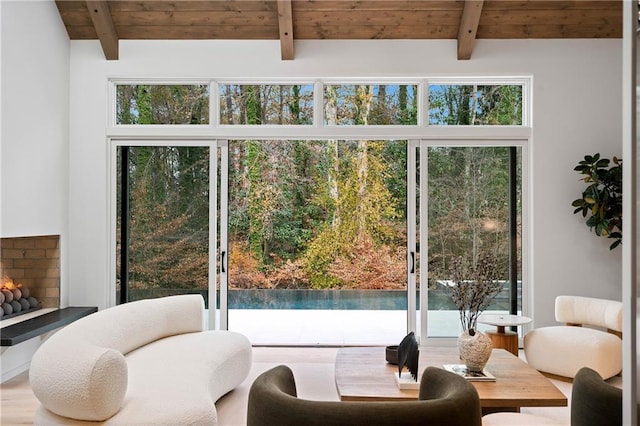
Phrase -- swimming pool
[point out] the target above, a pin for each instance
(439, 299)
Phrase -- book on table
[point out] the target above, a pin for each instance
(462, 370)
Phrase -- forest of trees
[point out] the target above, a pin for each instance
(317, 214)
(311, 214)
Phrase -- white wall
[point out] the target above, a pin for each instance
(35, 135)
(35, 119)
(576, 111)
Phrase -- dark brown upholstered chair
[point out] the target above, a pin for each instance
(594, 402)
(445, 400)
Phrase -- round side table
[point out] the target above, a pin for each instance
(502, 338)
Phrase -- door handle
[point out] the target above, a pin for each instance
(222, 256)
(413, 263)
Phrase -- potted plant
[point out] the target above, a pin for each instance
(473, 287)
(601, 201)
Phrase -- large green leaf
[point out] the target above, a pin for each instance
(601, 201)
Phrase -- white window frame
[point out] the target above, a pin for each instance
(495, 135)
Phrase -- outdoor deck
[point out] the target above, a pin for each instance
(299, 327)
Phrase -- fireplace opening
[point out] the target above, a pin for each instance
(16, 299)
(29, 275)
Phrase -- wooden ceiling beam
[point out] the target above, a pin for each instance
(468, 28)
(285, 23)
(341, 19)
(103, 23)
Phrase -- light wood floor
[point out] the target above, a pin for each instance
(313, 369)
(18, 402)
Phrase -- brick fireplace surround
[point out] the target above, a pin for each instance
(33, 262)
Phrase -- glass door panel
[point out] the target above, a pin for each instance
(162, 226)
(468, 213)
(317, 241)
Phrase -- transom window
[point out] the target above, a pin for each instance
(324, 104)
(475, 104)
(162, 104)
(370, 104)
(266, 104)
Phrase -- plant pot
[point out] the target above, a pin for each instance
(474, 350)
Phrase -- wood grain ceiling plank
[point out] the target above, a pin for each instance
(400, 32)
(552, 4)
(285, 25)
(195, 6)
(82, 33)
(468, 28)
(101, 17)
(368, 17)
(74, 13)
(376, 5)
(76, 18)
(548, 31)
(550, 17)
(71, 5)
(217, 32)
(194, 18)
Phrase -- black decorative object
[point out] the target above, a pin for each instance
(408, 355)
(391, 354)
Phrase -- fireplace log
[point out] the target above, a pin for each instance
(7, 308)
(17, 294)
(17, 301)
(24, 303)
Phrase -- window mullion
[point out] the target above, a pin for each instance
(318, 104)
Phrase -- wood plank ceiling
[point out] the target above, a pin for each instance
(286, 20)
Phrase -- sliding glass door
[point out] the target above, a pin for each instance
(318, 242)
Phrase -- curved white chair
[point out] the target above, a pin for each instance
(563, 350)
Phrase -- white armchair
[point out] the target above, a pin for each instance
(565, 349)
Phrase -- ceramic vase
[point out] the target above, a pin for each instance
(475, 349)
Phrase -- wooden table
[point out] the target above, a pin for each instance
(503, 338)
(362, 374)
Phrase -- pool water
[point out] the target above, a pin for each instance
(439, 299)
